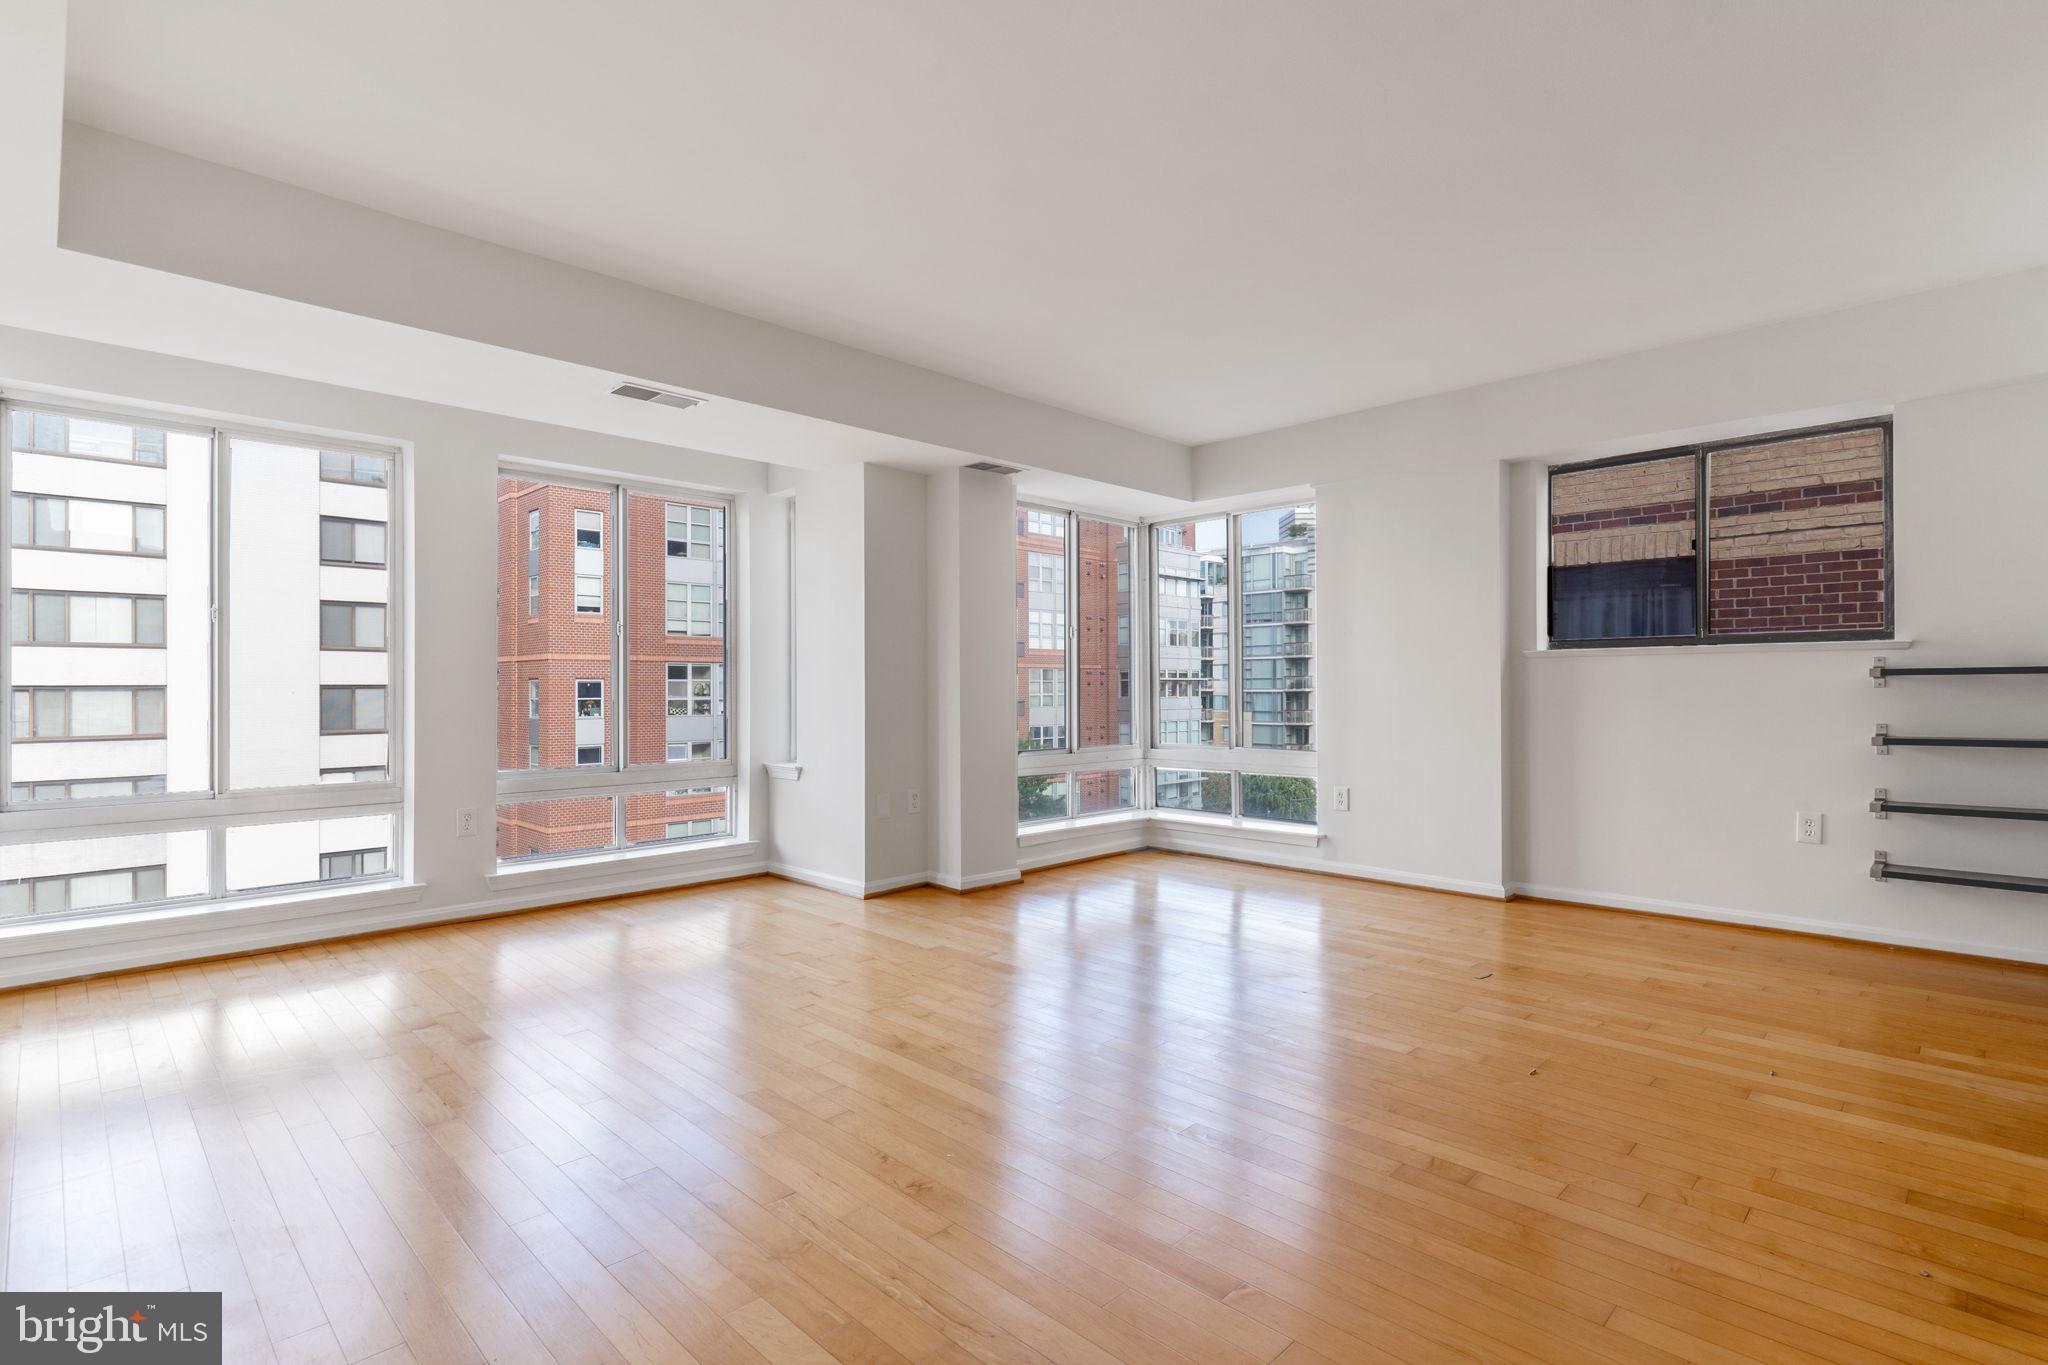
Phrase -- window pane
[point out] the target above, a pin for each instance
(1102, 647)
(97, 711)
(370, 708)
(1098, 792)
(288, 702)
(1277, 567)
(548, 644)
(676, 632)
(551, 829)
(1796, 535)
(107, 873)
(1041, 629)
(50, 616)
(297, 851)
(149, 530)
(369, 542)
(1041, 797)
(1622, 551)
(1291, 799)
(369, 627)
(337, 625)
(337, 541)
(1193, 645)
(1191, 790)
(685, 813)
(149, 621)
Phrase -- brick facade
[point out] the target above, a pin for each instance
(1796, 529)
(558, 646)
(1796, 535)
(1101, 675)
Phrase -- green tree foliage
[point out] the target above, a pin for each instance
(1280, 798)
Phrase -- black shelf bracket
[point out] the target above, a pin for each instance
(1880, 671)
(1883, 869)
(1883, 740)
(1883, 807)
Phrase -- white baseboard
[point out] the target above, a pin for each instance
(1177, 839)
(976, 881)
(826, 881)
(1825, 928)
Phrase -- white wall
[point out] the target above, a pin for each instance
(1669, 780)
(815, 829)
(898, 663)
(971, 582)
(1409, 674)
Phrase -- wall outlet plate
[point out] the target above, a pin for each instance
(913, 802)
(1343, 798)
(1809, 827)
(465, 822)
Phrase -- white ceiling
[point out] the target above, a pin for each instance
(1195, 219)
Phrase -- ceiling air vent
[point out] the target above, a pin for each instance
(991, 467)
(648, 394)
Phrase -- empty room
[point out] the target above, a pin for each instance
(915, 683)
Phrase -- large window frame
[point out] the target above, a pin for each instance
(617, 776)
(1701, 456)
(1146, 755)
(218, 807)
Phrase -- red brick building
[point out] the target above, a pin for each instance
(557, 554)
(1100, 681)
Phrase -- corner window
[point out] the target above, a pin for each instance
(1797, 544)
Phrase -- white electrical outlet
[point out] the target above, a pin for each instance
(465, 822)
(913, 802)
(882, 806)
(1809, 827)
(1343, 798)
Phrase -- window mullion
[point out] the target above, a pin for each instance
(1073, 659)
(217, 622)
(1702, 576)
(6, 596)
(621, 713)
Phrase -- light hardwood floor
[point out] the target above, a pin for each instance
(1149, 1108)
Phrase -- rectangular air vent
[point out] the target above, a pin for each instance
(991, 467)
(648, 394)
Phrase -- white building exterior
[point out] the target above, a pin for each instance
(113, 639)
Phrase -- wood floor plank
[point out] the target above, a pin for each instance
(1150, 1108)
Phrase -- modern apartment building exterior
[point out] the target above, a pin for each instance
(558, 623)
(1279, 579)
(1084, 624)
(113, 658)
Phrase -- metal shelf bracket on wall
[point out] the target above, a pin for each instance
(1880, 671)
(1883, 739)
(1884, 807)
(1883, 869)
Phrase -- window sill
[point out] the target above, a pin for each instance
(1263, 831)
(1760, 647)
(580, 868)
(785, 772)
(31, 936)
(1051, 831)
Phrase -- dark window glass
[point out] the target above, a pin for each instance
(1623, 557)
